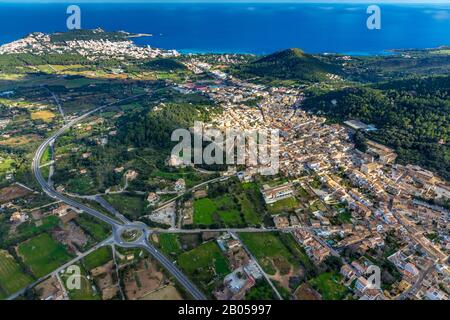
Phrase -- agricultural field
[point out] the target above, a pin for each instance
(169, 244)
(142, 278)
(43, 254)
(44, 115)
(12, 277)
(165, 293)
(270, 251)
(20, 141)
(204, 264)
(218, 210)
(97, 258)
(203, 211)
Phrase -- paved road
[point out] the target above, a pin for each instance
(239, 230)
(117, 228)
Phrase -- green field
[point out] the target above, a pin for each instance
(227, 211)
(203, 211)
(218, 210)
(12, 278)
(201, 264)
(329, 286)
(42, 254)
(130, 206)
(170, 243)
(98, 258)
(284, 205)
(97, 229)
(275, 252)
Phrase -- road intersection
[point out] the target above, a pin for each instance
(117, 228)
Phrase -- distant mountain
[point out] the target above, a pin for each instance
(291, 64)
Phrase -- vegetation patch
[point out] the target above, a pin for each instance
(86, 291)
(132, 206)
(170, 244)
(98, 230)
(204, 263)
(43, 254)
(43, 115)
(98, 258)
(329, 286)
(284, 205)
(270, 251)
(222, 209)
(12, 277)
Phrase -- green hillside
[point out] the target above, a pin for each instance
(291, 64)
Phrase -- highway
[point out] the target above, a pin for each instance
(117, 228)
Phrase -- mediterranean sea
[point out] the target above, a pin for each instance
(245, 28)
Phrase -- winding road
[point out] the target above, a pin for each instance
(117, 227)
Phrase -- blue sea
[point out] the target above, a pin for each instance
(245, 28)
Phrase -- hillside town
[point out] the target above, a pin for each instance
(383, 197)
(92, 49)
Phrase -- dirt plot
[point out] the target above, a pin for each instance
(164, 293)
(13, 192)
(142, 278)
(44, 115)
(49, 289)
(104, 280)
(71, 235)
(306, 292)
(284, 271)
(20, 141)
